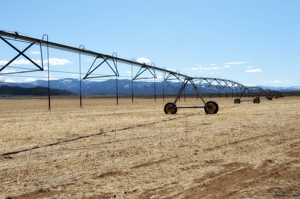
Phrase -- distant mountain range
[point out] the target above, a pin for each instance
(36, 91)
(108, 87)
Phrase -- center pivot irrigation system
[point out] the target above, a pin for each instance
(209, 107)
(256, 92)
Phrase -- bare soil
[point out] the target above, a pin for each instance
(135, 150)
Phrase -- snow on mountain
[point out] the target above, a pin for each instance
(125, 86)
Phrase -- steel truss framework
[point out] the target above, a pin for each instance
(111, 61)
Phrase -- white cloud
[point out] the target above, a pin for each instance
(249, 84)
(128, 72)
(51, 78)
(274, 81)
(254, 70)
(200, 68)
(143, 60)
(54, 78)
(211, 68)
(195, 68)
(8, 71)
(21, 62)
(30, 80)
(288, 82)
(24, 62)
(53, 62)
(226, 66)
(212, 64)
(58, 61)
(235, 63)
(10, 80)
(3, 62)
(35, 52)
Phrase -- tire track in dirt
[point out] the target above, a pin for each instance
(247, 171)
(240, 180)
(236, 180)
(153, 162)
(7, 154)
(245, 140)
(172, 191)
(269, 180)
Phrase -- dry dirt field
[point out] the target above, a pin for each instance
(135, 150)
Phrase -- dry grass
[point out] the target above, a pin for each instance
(136, 151)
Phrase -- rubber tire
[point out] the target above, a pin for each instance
(237, 101)
(255, 100)
(211, 107)
(170, 108)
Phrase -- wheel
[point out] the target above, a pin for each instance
(211, 107)
(237, 101)
(256, 100)
(170, 108)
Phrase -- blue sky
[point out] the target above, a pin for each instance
(253, 42)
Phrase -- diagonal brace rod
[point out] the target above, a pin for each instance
(142, 70)
(20, 53)
(104, 61)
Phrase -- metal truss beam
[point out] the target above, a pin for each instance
(170, 75)
(143, 67)
(17, 36)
